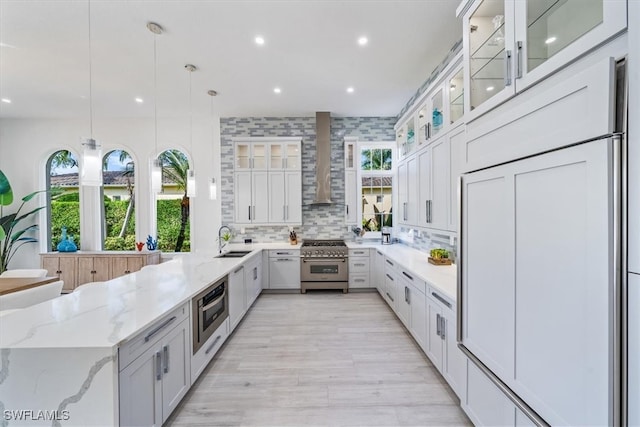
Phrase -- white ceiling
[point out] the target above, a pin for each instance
(311, 52)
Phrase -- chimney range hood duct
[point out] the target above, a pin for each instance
(323, 159)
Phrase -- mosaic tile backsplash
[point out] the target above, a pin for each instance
(318, 222)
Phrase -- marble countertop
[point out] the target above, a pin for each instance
(105, 315)
(443, 278)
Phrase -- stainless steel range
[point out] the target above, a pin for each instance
(324, 265)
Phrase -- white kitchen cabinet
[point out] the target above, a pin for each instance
(253, 280)
(439, 203)
(432, 116)
(251, 192)
(403, 307)
(408, 191)
(414, 297)
(359, 269)
(633, 302)
(424, 176)
(285, 197)
(152, 385)
(509, 45)
(284, 269)
(485, 404)
(250, 156)
(350, 197)
(285, 155)
(456, 160)
(406, 137)
(237, 297)
(377, 271)
(435, 343)
(512, 215)
(455, 97)
(390, 285)
(203, 356)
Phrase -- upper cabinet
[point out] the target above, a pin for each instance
(511, 44)
(268, 155)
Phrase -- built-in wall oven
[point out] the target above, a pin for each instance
(210, 308)
(324, 265)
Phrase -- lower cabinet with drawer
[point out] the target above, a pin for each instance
(442, 347)
(155, 371)
(284, 269)
(359, 264)
(201, 359)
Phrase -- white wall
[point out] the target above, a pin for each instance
(26, 144)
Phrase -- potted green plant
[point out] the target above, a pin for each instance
(439, 256)
(13, 235)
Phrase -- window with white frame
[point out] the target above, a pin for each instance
(376, 186)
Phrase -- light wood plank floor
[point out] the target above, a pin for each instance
(323, 358)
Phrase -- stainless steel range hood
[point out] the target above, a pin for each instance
(323, 159)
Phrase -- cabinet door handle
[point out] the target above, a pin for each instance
(249, 213)
(255, 273)
(390, 278)
(438, 324)
(284, 253)
(507, 68)
(165, 358)
(443, 325)
(254, 212)
(213, 344)
(407, 275)
(58, 271)
(347, 209)
(284, 214)
(388, 262)
(390, 297)
(428, 130)
(519, 60)
(429, 212)
(287, 210)
(404, 211)
(158, 366)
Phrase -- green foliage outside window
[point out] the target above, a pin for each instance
(169, 222)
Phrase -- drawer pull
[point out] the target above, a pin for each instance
(388, 262)
(159, 328)
(442, 300)
(213, 344)
(390, 297)
(390, 278)
(407, 275)
(165, 358)
(359, 265)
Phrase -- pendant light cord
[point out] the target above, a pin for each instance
(155, 93)
(90, 73)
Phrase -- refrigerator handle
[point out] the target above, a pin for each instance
(459, 263)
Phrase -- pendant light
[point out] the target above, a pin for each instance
(156, 163)
(191, 174)
(213, 188)
(91, 174)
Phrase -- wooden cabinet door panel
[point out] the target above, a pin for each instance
(85, 270)
(118, 266)
(134, 264)
(101, 268)
(68, 267)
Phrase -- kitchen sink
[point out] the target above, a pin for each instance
(234, 254)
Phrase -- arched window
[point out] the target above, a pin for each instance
(173, 224)
(63, 209)
(118, 178)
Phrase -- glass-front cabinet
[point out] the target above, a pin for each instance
(350, 152)
(512, 44)
(432, 116)
(250, 156)
(456, 96)
(284, 156)
(406, 137)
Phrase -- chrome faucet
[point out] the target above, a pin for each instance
(220, 244)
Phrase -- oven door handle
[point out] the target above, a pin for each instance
(212, 304)
(323, 260)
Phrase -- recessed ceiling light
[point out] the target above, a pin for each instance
(363, 41)
(490, 88)
(6, 100)
(139, 100)
(277, 90)
(350, 90)
(551, 39)
(259, 40)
